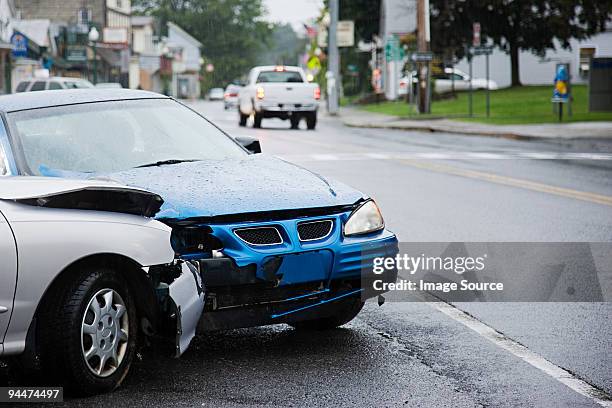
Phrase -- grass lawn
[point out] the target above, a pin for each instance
(527, 104)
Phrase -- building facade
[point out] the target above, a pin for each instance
(71, 20)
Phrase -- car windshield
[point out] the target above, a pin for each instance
(114, 136)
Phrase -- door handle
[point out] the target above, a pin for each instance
(3, 309)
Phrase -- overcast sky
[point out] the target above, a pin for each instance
(294, 12)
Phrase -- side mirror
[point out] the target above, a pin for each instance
(249, 143)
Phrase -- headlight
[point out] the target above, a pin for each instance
(364, 219)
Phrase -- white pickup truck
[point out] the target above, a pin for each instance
(279, 92)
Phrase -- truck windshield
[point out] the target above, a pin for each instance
(279, 76)
(114, 136)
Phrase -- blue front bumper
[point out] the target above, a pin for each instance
(332, 258)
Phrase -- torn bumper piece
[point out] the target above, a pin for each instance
(187, 295)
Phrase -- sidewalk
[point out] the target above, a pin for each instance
(354, 117)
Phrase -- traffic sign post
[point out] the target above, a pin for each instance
(562, 90)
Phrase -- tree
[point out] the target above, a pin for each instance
(232, 32)
(285, 47)
(516, 25)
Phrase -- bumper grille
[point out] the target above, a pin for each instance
(313, 230)
(259, 236)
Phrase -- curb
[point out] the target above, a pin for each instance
(432, 129)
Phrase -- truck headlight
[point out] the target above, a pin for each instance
(365, 219)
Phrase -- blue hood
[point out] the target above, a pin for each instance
(255, 183)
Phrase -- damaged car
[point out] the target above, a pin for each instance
(85, 270)
(272, 242)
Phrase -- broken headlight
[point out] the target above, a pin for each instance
(365, 219)
(194, 239)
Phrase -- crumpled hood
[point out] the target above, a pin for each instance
(255, 183)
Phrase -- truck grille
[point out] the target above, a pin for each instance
(259, 236)
(313, 230)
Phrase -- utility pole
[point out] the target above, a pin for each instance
(423, 47)
(333, 73)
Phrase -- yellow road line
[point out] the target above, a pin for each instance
(510, 181)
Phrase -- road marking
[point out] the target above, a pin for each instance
(325, 157)
(450, 155)
(513, 182)
(522, 352)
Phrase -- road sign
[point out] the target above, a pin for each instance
(345, 33)
(393, 51)
(561, 90)
(476, 34)
(422, 56)
(482, 50)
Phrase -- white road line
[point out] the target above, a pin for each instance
(522, 352)
(449, 156)
(324, 157)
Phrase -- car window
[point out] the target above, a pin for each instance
(38, 86)
(457, 77)
(22, 86)
(110, 137)
(54, 85)
(279, 76)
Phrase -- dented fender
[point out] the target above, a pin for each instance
(187, 294)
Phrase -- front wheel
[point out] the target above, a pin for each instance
(344, 311)
(88, 334)
(311, 120)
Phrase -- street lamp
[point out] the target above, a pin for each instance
(94, 36)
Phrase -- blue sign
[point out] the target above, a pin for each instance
(19, 45)
(561, 90)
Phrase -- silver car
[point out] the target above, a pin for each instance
(81, 262)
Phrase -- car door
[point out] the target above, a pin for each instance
(8, 274)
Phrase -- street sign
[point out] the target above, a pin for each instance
(561, 90)
(422, 56)
(476, 34)
(19, 45)
(345, 33)
(482, 50)
(393, 51)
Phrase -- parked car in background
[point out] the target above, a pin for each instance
(112, 85)
(85, 274)
(451, 78)
(43, 84)
(230, 97)
(215, 94)
(279, 92)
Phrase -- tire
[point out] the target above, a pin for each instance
(69, 318)
(346, 310)
(257, 120)
(243, 119)
(311, 120)
(295, 122)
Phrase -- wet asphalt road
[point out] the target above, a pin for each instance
(411, 354)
